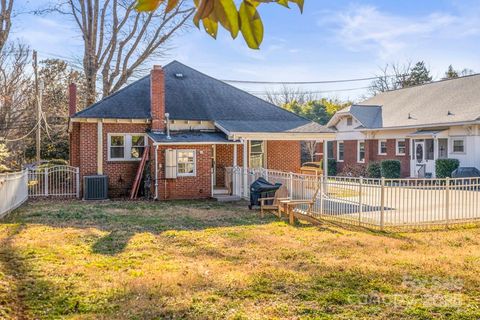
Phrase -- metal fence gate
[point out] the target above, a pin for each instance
(56, 181)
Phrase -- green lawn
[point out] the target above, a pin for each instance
(204, 260)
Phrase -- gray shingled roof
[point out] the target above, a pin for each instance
(190, 136)
(437, 103)
(196, 96)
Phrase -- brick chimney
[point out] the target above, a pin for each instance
(72, 99)
(157, 97)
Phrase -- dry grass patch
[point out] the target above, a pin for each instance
(204, 260)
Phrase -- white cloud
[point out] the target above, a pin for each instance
(366, 28)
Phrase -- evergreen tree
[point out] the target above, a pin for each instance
(451, 73)
(419, 74)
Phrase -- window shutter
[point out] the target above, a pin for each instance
(170, 164)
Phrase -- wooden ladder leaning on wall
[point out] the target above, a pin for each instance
(138, 177)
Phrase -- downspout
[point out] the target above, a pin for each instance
(156, 173)
(167, 121)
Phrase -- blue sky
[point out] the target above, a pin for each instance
(330, 40)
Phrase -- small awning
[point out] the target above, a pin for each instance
(426, 133)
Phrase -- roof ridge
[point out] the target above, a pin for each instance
(433, 82)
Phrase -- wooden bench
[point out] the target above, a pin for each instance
(280, 195)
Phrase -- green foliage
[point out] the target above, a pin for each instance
(445, 167)
(391, 169)
(332, 167)
(419, 74)
(245, 19)
(451, 73)
(374, 170)
(320, 111)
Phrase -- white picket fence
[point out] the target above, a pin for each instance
(56, 181)
(376, 203)
(13, 191)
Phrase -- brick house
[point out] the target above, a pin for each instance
(415, 125)
(194, 125)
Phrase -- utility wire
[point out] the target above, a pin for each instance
(307, 82)
(263, 93)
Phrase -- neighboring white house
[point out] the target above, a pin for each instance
(415, 125)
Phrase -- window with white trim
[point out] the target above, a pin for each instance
(458, 145)
(340, 151)
(257, 154)
(401, 147)
(349, 121)
(382, 147)
(361, 151)
(186, 163)
(126, 147)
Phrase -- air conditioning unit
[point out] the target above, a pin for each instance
(95, 187)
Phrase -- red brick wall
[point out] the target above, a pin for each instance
(157, 93)
(371, 154)
(391, 154)
(284, 155)
(121, 174)
(83, 153)
(198, 187)
(75, 145)
(224, 159)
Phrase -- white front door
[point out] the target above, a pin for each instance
(419, 159)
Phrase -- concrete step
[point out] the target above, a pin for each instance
(220, 191)
(226, 198)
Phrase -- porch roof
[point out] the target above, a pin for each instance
(427, 133)
(190, 137)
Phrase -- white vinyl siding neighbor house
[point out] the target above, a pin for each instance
(416, 125)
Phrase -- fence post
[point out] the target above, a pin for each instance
(322, 190)
(45, 181)
(382, 204)
(291, 185)
(360, 205)
(77, 182)
(447, 201)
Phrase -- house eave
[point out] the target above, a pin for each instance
(110, 120)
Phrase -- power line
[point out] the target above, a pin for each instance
(307, 82)
(263, 93)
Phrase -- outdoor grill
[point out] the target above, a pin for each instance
(261, 188)
(466, 172)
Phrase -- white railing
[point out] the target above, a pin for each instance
(376, 203)
(13, 191)
(56, 181)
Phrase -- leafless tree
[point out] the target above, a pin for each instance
(16, 99)
(6, 7)
(310, 149)
(288, 95)
(391, 77)
(118, 40)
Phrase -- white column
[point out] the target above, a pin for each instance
(235, 155)
(325, 158)
(245, 168)
(100, 147)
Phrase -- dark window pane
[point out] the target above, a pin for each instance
(117, 152)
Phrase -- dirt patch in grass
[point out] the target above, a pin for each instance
(205, 260)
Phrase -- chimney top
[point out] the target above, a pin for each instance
(157, 67)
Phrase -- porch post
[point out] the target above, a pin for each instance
(245, 168)
(325, 158)
(235, 151)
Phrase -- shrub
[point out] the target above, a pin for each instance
(391, 169)
(445, 167)
(374, 170)
(332, 167)
(354, 170)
